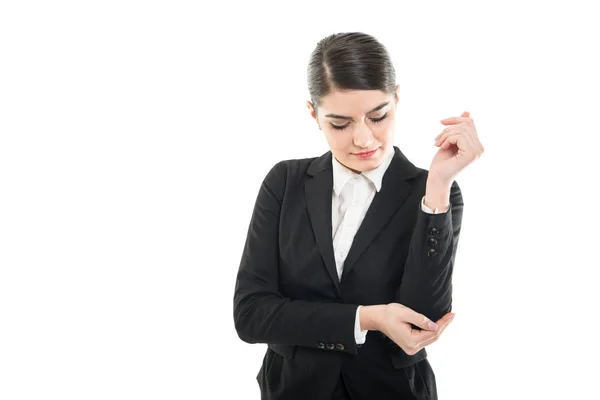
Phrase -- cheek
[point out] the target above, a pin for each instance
(385, 129)
(337, 139)
(388, 123)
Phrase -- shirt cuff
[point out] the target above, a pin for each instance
(429, 210)
(359, 335)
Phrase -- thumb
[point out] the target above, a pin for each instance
(466, 114)
(419, 320)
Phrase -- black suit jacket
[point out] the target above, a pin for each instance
(288, 295)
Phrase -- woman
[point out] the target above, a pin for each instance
(349, 256)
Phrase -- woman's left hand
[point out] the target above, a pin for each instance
(459, 147)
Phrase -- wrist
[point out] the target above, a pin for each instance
(371, 317)
(437, 179)
(437, 193)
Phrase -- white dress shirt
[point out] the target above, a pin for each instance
(352, 195)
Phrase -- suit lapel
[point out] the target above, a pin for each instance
(394, 191)
(318, 191)
(385, 204)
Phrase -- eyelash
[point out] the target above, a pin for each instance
(341, 128)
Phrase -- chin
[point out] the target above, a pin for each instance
(365, 165)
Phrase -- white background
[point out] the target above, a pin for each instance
(135, 136)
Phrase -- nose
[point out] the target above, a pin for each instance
(362, 136)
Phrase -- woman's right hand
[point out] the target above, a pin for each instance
(395, 322)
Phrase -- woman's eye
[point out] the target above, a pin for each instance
(339, 128)
(380, 118)
(342, 127)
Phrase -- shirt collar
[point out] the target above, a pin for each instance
(341, 174)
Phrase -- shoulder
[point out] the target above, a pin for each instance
(286, 172)
(290, 167)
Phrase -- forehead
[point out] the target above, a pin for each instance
(353, 102)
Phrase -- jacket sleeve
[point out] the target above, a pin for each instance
(426, 285)
(261, 313)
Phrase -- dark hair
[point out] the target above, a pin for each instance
(349, 61)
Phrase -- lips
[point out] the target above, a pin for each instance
(364, 153)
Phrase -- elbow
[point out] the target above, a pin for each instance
(439, 308)
(253, 316)
(434, 306)
(245, 337)
(243, 334)
(240, 321)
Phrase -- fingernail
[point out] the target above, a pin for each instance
(452, 316)
(432, 326)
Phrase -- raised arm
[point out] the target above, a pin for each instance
(426, 285)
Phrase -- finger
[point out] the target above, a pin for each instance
(428, 342)
(439, 139)
(454, 120)
(409, 315)
(424, 340)
(465, 114)
(434, 339)
(450, 140)
(466, 125)
(461, 140)
(444, 131)
(448, 315)
(441, 323)
(418, 337)
(445, 321)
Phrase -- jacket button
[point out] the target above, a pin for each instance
(320, 345)
(339, 346)
(330, 346)
(431, 253)
(432, 242)
(433, 232)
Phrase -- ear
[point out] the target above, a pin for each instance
(397, 99)
(313, 112)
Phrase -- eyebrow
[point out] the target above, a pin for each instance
(379, 107)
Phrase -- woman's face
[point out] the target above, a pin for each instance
(355, 122)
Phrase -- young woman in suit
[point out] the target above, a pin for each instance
(349, 256)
